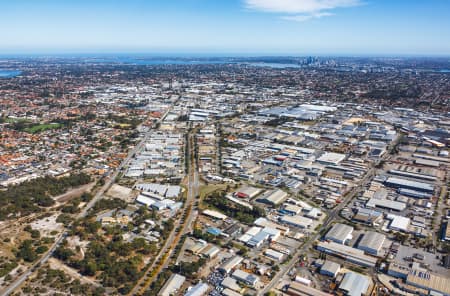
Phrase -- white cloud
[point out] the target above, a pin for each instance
(306, 17)
(300, 10)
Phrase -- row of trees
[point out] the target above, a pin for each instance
(188, 269)
(156, 286)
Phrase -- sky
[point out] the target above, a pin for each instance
(228, 27)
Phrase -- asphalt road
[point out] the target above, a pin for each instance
(332, 216)
(174, 237)
(111, 179)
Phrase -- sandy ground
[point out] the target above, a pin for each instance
(75, 192)
(47, 225)
(56, 264)
(122, 192)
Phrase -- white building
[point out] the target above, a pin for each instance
(330, 268)
(372, 242)
(354, 284)
(274, 255)
(297, 221)
(172, 286)
(230, 264)
(339, 233)
(398, 223)
(245, 277)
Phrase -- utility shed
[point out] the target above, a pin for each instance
(372, 242)
(354, 284)
(339, 233)
(172, 286)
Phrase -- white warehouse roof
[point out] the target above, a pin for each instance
(297, 221)
(372, 242)
(339, 233)
(331, 157)
(355, 284)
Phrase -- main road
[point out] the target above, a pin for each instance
(332, 215)
(185, 221)
(99, 194)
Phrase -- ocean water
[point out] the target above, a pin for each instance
(9, 73)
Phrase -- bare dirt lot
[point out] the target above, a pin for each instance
(75, 192)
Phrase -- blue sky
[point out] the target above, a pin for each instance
(275, 27)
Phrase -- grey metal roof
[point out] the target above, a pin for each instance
(372, 240)
(354, 284)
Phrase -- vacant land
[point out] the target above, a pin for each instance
(207, 189)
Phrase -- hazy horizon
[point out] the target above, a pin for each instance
(187, 55)
(232, 27)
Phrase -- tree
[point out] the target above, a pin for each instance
(63, 253)
(90, 268)
(41, 249)
(26, 251)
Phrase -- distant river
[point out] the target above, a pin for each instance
(155, 62)
(136, 61)
(9, 73)
(275, 65)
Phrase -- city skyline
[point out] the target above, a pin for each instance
(237, 27)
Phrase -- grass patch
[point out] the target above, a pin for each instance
(210, 188)
(42, 127)
(14, 120)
